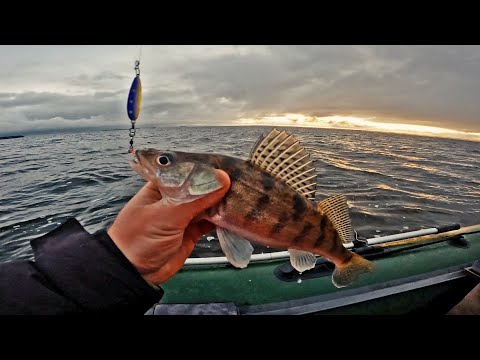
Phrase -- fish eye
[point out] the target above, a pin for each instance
(163, 160)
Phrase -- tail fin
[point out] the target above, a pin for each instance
(345, 274)
(336, 209)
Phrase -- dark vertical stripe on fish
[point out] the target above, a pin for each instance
(323, 223)
(260, 206)
(321, 237)
(335, 242)
(328, 234)
(267, 183)
(299, 207)
(263, 201)
(234, 174)
(229, 195)
(319, 241)
(281, 223)
(306, 229)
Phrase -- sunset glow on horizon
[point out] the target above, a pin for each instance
(356, 123)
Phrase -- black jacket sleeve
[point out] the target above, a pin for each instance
(74, 272)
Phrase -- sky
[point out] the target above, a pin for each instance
(428, 90)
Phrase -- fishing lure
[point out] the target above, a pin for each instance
(134, 102)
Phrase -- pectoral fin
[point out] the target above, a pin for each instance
(237, 249)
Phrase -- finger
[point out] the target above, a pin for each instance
(174, 264)
(151, 189)
(188, 244)
(152, 186)
(148, 194)
(191, 236)
(186, 212)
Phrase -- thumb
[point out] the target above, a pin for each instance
(192, 209)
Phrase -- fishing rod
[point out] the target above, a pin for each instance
(434, 237)
(400, 236)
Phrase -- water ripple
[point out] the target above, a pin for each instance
(393, 183)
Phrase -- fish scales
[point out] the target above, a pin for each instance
(269, 212)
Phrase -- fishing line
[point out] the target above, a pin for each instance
(134, 100)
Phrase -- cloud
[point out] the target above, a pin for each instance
(71, 85)
(387, 81)
(39, 111)
(97, 80)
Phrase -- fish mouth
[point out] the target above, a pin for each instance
(137, 159)
(136, 162)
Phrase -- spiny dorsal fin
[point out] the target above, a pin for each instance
(280, 154)
(336, 209)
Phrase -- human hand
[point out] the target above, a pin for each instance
(156, 237)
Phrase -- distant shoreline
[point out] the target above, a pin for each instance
(11, 137)
(279, 127)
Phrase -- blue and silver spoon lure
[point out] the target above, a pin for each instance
(134, 103)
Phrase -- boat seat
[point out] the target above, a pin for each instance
(193, 309)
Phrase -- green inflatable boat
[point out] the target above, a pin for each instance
(421, 272)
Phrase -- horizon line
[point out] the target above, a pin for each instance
(149, 126)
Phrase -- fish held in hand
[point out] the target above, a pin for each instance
(270, 202)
